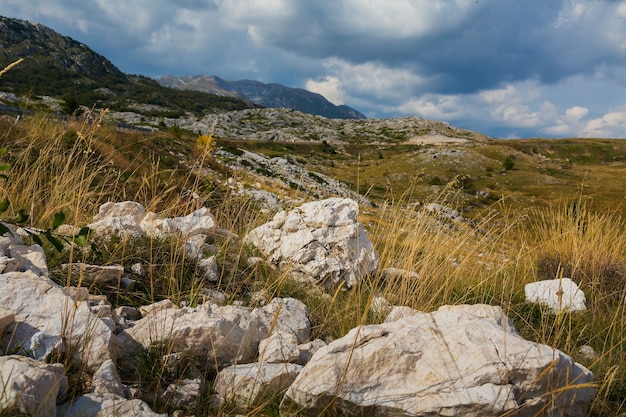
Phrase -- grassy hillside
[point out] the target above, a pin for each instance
(78, 166)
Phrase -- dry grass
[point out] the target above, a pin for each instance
(77, 167)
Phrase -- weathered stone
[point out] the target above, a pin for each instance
(280, 347)
(209, 269)
(200, 221)
(119, 219)
(184, 393)
(256, 382)
(101, 275)
(307, 350)
(106, 405)
(46, 319)
(217, 336)
(286, 315)
(107, 380)
(29, 258)
(29, 386)
(558, 294)
(321, 240)
(450, 362)
(155, 307)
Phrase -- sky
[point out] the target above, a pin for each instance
(505, 68)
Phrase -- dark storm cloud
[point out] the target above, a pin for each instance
(550, 67)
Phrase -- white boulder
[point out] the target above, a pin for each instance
(558, 294)
(47, 319)
(321, 240)
(450, 362)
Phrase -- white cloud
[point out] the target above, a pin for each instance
(329, 87)
(611, 124)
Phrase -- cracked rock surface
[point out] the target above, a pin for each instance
(456, 361)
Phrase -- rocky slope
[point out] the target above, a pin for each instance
(266, 95)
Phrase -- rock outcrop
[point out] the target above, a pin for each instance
(321, 240)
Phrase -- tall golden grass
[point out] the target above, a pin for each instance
(77, 166)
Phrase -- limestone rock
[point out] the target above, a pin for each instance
(286, 315)
(47, 319)
(217, 336)
(209, 269)
(106, 405)
(101, 275)
(256, 382)
(29, 386)
(200, 221)
(184, 393)
(450, 362)
(107, 380)
(280, 347)
(321, 240)
(119, 218)
(558, 294)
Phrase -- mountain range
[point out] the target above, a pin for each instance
(59, 66)
(266, 95)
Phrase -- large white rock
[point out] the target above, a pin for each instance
(29, 386)
(558, 294)
(129, 218)
(119, 219)
(255, 383)
(447, 363)
(217, 336)
(106, 405)
(321, 240)
(46, 319)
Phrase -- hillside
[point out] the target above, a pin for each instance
(266, 95)
(58, 66)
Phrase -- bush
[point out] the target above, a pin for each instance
(508, 163)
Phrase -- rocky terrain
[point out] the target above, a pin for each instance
(459, 359)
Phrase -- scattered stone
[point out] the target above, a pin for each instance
(400, 273)
(107, 380)
(280, 347)
(215, 336)
(101, 275)
(156, 307)
(29, 386)
(184, 393)
(286, 315)
(121, 219)
(138, 269)
(209, 269)
(106, 405)
(321, 240)
(561, 295)
(127, 283)
(588, 353)
(256, 382)
(450, 362)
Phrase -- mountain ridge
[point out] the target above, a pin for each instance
(271, 95)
